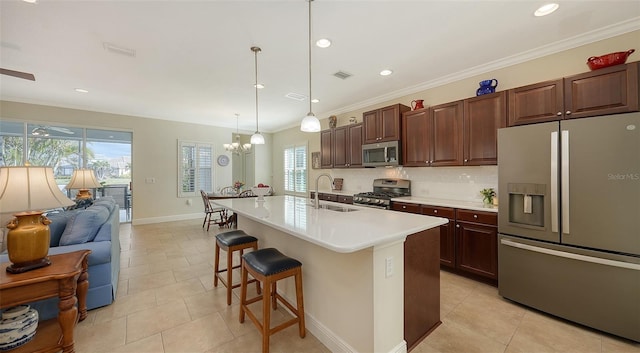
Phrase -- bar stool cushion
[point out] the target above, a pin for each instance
(269, 261)
(235, 237)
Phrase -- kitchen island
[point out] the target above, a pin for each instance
(355, 261)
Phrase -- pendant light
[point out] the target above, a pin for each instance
(310, 123)
(256, 138)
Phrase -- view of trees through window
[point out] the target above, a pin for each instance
(65, 149)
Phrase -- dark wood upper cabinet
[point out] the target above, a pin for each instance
(536, 103)
(341, 147)
(326, 148)
(416, 138)
(447, 126)
(383, 124)
(433, 136)
(354, 145)
(340, 153)
(483, 116)
(605, 91)
(347, 146)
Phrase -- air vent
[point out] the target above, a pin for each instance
(296, 96)
(119, 50)
(343, 75)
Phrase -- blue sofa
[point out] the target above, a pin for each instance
(95, 228)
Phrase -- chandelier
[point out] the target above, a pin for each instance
(235, 147)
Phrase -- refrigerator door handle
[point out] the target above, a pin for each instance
(572, 256)
(554, 181)
(564, 186)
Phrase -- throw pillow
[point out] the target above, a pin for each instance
(58, 224)
(83, 226)
(107, 202)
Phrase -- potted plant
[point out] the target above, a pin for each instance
(488, 195)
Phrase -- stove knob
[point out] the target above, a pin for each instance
(380, 201)
(356, 198)
(366, 199)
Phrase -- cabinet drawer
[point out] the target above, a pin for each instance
(406, 207)
(489, 218)
(345, 199)
(329, 197)
(436, 211)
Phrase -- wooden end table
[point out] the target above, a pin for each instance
(67, 279)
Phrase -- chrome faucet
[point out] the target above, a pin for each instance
(317, 203)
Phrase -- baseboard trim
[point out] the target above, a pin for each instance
(152, 220)
(329, 338)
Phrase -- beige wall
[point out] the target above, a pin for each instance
(550, 67)
(154, 155)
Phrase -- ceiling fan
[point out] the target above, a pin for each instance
(44, 130)
(18, 74)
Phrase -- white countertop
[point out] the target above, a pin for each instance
(469, 205)
(342, 232)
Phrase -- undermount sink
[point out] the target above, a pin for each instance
(338, 208)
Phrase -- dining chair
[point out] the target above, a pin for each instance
(246, 193)
(217, 215)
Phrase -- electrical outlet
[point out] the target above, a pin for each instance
(150, 180)
(388, 268)
(188, 202)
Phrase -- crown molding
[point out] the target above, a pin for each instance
(545, 50)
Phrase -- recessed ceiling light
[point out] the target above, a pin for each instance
(315, 100)
(323, 43)
(386, 72)
(259, 85)
(81, 90)
(30, 1)
(546, 9)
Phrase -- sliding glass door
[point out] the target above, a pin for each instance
(66, 148)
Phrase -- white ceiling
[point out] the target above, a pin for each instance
(193, 61)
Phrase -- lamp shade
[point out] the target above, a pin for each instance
(83, 179)
(30, 188)
(257, 139)
(310, 123)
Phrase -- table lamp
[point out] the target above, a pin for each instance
(29, 191)
(83, 179)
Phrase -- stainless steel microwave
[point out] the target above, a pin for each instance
(381, 154)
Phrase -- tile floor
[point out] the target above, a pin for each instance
(166, 302)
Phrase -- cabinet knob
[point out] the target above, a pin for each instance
(466, 160)
(435, 211)
(457, 226)
(559, 113)
(568, 112)
(404, 207)
(475, 216)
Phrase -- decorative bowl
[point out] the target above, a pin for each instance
(17, 327)
(260, 192)
(611, 59)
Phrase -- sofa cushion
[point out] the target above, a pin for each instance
(58, 224)
(83, 225)
(106, 201)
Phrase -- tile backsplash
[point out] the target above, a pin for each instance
(453, 183)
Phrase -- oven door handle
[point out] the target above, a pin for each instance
(386, 156)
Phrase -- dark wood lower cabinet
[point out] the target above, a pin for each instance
(477, 243)
(421, 286)
(477, 249)
(468, 243)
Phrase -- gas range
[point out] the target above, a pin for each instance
(383, 191)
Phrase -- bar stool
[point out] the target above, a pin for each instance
(230, 241)
(269, 266)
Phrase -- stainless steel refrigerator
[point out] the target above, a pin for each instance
(569, 220)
